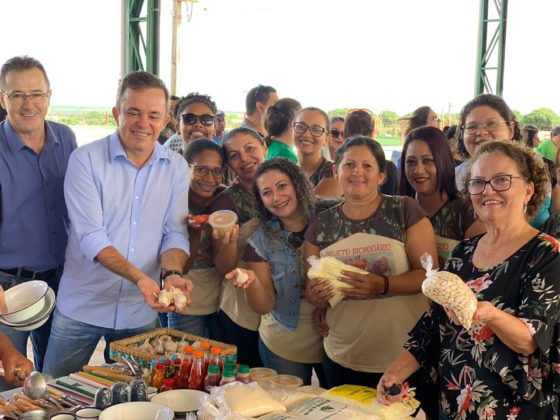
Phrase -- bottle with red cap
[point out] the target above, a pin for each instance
(197, 375)
(216, 357)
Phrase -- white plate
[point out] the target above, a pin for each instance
(28, 297)
(137, 410)
(40, 318)
(180, 400)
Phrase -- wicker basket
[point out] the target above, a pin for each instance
(124, 346)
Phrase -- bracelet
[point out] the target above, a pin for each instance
(170, 272)
(385, 285)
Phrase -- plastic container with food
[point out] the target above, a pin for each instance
(286, 381)
(223, 221)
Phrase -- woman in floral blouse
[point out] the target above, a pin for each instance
(506, 366)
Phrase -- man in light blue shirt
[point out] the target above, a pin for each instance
(127, 198)
(33, 218)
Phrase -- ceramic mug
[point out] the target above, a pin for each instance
(88, 414)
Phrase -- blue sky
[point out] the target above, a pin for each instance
(395, 55)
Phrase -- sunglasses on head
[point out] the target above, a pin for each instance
(336, 133)
(190, 119)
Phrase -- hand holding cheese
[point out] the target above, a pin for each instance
(450, 291)
(330, 269)
(241, 278)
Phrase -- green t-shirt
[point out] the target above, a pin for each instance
(282, 150)
(547, 149)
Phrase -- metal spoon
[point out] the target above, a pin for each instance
(35, 387)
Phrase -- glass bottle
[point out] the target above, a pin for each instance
(216, 357)
(167, 369)
(196, 377)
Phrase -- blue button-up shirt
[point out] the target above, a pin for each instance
(140, 212)
(33, 217)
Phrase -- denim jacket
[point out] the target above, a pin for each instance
(286, 272)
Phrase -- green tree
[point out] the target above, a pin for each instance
(339, 112)
(542, 118)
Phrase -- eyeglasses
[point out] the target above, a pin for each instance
(499, 183)
(19, 98)
(336, 133)
(435, 118)
(202, 171)
(190, 119)
(315, 130)
(488, 125)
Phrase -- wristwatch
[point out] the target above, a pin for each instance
(170, 272)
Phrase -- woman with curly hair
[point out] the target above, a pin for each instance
(506, 364)
(285, 204)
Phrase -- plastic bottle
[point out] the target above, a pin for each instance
(216, 357)
(168, 385)
(182, 380)
(213, 377)
(196, 378)
(158, 377)
(228, 376)
(230, 366)
(243, 374)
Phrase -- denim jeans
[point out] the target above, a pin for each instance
(73, 342)
(287, 367)
(202, 325)
(40, 336)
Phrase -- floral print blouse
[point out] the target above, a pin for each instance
(479, 376)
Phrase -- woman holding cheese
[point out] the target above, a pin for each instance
(384, 235)
(244, 152)
(505, 366)
(427, 174)
(285, 204)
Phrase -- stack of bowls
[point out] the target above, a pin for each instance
(29, 305)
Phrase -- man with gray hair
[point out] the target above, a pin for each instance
(33, 218)
(127, 199)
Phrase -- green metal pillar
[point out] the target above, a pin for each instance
(142, 36)
(490, 64)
